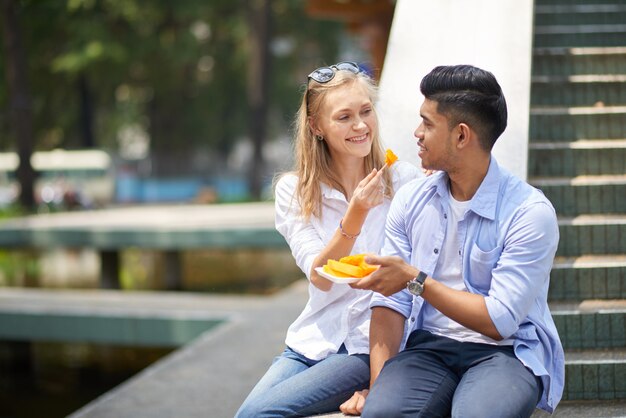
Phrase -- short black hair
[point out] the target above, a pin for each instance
(470, 95)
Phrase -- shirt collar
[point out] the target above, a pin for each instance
(486, 197)
(331, 193)
(485, 201)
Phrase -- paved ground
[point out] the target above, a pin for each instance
(211, 376)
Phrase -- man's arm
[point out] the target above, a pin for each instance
(468, 309)
(386, 330)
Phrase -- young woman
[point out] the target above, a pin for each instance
(333, 204)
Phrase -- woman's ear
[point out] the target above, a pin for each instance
(313, 127)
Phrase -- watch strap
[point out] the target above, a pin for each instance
(421, 277)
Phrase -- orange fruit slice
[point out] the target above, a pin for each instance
(336, 273)
(350, 266)
(349, 269)
(390, 157)
(355, 259)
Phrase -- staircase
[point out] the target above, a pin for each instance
(577, 156)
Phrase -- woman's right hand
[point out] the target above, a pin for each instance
(370, 191)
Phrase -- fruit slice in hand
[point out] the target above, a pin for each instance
(390, 157)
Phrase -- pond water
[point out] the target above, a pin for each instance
(51, 379)
(55, 379)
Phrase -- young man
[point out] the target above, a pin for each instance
(464, 273)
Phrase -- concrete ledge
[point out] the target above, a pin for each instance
(245, 225)
(212, 375)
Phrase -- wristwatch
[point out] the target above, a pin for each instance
(416, 286)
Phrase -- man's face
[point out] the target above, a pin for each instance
(435, 138)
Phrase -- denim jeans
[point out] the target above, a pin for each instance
(297, 386)
(441, 377)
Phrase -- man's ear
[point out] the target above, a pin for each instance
(464, 135)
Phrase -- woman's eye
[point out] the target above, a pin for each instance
(367, 111)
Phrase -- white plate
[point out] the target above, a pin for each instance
(332, 278)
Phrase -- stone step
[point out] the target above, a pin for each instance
(595, 195)
(577, 158)
(552, 123)
(579, 90)
(602, 235)
(580, 14)
(588, 277)
(580, 35)
(595, 374)
(591, 324)
(566, 62)
(565, 409)
(585, 409)
(571, 2)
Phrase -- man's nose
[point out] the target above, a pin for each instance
(419, 132)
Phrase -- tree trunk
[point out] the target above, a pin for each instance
(86, 113)
(19, 100)
(259, 17)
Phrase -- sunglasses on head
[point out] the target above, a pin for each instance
(325, 74)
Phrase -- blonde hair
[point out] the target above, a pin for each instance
(312, 157)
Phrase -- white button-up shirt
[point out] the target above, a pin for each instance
(341, 315)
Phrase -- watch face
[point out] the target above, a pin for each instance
(415, 287)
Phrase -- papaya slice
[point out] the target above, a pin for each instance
(355, 259)
(367, 268)
(390, 157)
(349, 269)
(336, 273)
(350, 266)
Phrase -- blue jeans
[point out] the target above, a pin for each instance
(296, 386)
(441, 377)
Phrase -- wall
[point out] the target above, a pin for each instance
(495, 35)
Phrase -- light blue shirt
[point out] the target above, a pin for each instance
(508, 239)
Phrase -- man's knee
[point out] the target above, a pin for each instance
(374, 409)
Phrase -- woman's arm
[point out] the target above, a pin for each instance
(367, 195)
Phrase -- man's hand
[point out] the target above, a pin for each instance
(390, 278)
(354, 405)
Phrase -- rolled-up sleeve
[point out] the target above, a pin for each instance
(523, 267)
(303, 240)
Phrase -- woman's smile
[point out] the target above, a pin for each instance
(359, 139)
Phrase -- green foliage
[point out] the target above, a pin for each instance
(176, 69)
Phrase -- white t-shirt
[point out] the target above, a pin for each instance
(341, 315)
(448, 272)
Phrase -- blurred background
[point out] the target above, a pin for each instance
(182, 100)
(112, 103)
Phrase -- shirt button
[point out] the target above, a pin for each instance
(436, 250)
(445, 216)
(413, 319)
